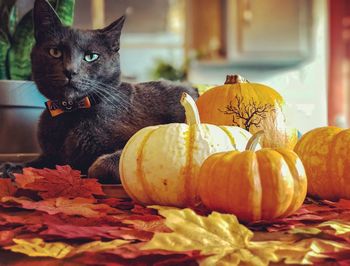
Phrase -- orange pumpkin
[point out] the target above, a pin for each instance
(325, 155)
(251, 106)
(261, 185)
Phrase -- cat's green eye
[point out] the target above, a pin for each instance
(56, 53)
(90, 57)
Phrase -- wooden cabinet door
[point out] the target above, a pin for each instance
(268, 31)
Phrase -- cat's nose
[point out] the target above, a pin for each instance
(69, 73)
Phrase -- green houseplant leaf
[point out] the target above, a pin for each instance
(4, 46)
(65, 10)
(7, 16)
(19, 54)
(15, 56)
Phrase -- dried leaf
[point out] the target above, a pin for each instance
(123, 204)
(6, 188)
(28, 176)
(6, 237)
(219, 236)
(116, 256)
(62, 182)
(78, 206)
(36, 247)
(340, 227)
(98, 246)
(149, 226)
(314, 213)
(308, 251)
(94, 232)
(135, 250)
(23, 217)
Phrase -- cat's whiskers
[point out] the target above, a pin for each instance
(115, 100)
(117, 96)
(109, 99)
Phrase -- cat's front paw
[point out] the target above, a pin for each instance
(7, 170)
(105, 170)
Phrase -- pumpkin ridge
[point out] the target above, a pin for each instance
(256, 180)
(298, 179)
(121, 169)
(187, 169)
(337, 179)
(139, 170)
(266, 159)
(228, 133)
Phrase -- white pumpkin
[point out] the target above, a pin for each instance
(160, 164)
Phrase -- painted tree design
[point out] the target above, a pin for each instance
(250, 113)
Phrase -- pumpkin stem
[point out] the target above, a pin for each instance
(191, 111)
(254, 141)
(235, 79)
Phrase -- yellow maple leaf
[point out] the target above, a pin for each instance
(340, 227)
(224, 241)
(218, 236)
(98, 246)
(36, 247)
(308, 251)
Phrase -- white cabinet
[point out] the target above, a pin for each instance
(268, 32)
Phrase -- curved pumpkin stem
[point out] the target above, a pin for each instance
(235, 79)
(191, 111)
(254, 141)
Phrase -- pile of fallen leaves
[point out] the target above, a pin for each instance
(53, 217)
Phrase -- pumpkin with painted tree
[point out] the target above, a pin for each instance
(248, 105)
(160, 164)
(325, 155)
(253, 185)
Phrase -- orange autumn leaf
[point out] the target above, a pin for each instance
(28, 176)
(62, 182)
(7, 188)
(6, 237)
(69, 231)
(148, 226)
(78, 206)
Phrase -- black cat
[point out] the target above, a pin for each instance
(92, 114)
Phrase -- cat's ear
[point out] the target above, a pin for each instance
(45, 18)
(113, 31)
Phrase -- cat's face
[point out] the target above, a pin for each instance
(69, 63)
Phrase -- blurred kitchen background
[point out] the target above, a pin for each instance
(299, 47)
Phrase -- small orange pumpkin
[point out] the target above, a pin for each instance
(250, 106)
(325, 155)
(261, 185)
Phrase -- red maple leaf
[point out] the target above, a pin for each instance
(16, 218)
(78, 206)
(123, 204)
(312, 212)
(6, 237)
(95, 232)
(62, 182)
(7, 188)
(132, 255)
(149, 226)
(29, 176)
